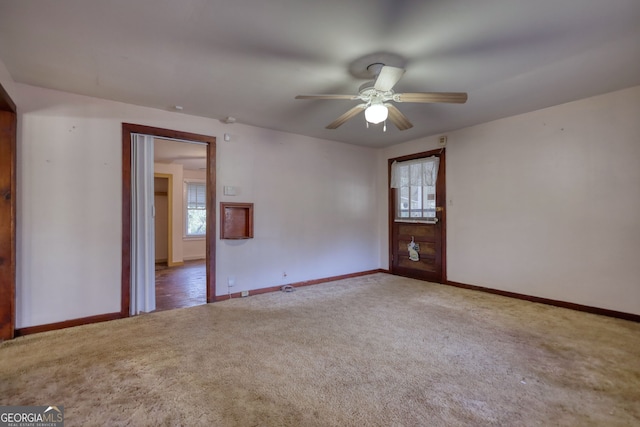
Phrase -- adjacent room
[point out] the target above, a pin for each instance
(321, 214)
(180, 212)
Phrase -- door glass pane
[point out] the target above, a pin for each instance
(403, 202)
(416, 199)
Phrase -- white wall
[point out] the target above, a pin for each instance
(545, 203)
(315, 203)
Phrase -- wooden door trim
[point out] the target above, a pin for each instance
(8, 126)
(210, 141)
(440, 189)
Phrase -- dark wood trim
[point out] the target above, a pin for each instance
(114, 316)
(67, 324)
(211, 220)
(6, 103)
(563, 304)
(441, 189)
(391, 212)
(125, 272)
(304, 283)
(440, 194)
(210, 141)
(416, 156)
(8, 196)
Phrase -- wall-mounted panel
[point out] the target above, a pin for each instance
(236, 221)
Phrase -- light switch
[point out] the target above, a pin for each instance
(229, 190)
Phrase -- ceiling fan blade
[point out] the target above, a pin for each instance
(349, 97)
(346, 116)
(397, 118)
(388, 77)
(449, 97)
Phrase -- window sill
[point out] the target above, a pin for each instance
(194, 237)
(418, 221)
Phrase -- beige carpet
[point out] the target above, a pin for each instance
(377, 350)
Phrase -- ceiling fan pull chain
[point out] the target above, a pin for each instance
(384, 126)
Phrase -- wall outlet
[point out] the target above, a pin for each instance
(244, 293)
(231, 281)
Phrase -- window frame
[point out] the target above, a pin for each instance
(185, 209)
(424, 196)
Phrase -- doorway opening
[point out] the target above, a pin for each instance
(180, 223)
(207, 265)
(181, 285)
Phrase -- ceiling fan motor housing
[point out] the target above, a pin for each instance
(369, 94)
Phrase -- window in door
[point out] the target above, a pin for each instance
(415, 184)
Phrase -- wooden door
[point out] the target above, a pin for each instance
(428, 236)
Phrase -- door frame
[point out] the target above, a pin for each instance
(8, 166)
(440, 194)
(210, 142)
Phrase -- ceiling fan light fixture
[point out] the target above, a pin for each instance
(377, 97)
(376, 113)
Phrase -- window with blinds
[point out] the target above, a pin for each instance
(196, 209)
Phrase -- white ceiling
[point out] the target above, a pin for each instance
(192, 156)
(250, 58)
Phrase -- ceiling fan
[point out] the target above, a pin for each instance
(377, 95)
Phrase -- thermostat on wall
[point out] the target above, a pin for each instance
(229, 190)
